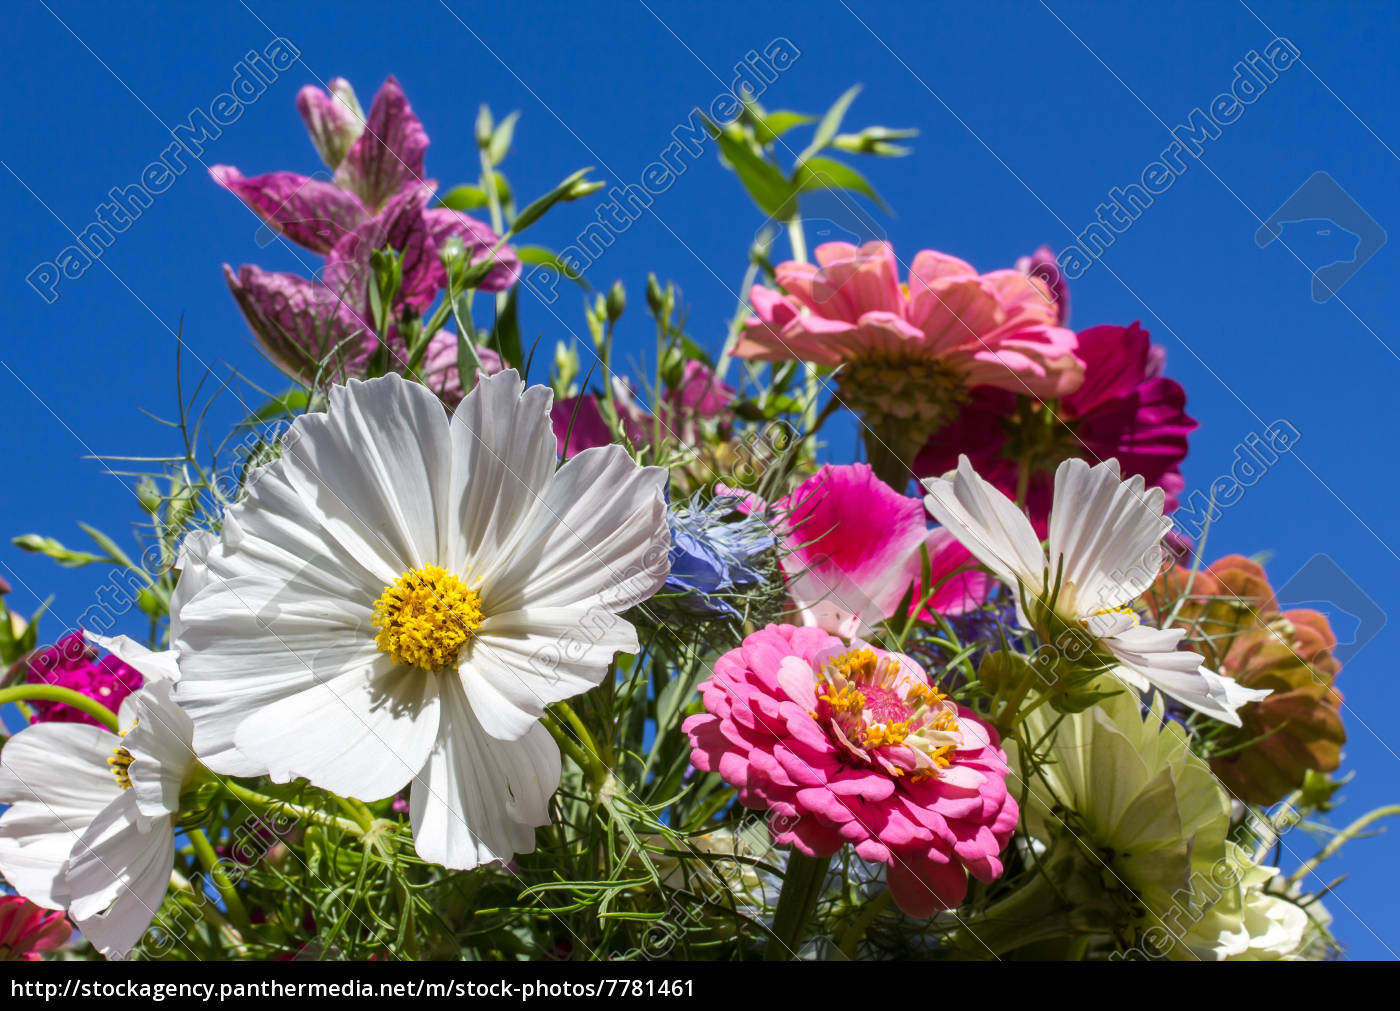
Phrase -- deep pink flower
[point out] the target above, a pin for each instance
(579, 419)
(849, 744)
(853, 547)
(699, 394)
(27, 930)
(1125, 410)
(74, 663)
(996, 329)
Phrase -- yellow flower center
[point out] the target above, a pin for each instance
(426, 618)
(120, 763)
(865, 701)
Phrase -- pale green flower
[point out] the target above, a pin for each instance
(1148, 815)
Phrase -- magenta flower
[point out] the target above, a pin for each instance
(699, 394)
(853, 547)
(74, 663)
(1125, 410)
(849, 744)
(27, 930)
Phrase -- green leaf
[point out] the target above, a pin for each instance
(830, 123)
(108, 545)
(540, 256)
(827, 173)
(572, 188)
(771, 126)
(501, 139)
(764, 181)
(507, 332)
(464, 198)
(294, 400)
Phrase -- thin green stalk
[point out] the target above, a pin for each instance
(802, 887)
(1341, 839)
(55, 693)
(209, 860)
(262, 803)
(850, 941)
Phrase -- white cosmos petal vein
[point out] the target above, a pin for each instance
(479, 799)
(364, 733)
(596, 536)
(523, 660)
(503, 455)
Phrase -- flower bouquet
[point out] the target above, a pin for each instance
(460, 649)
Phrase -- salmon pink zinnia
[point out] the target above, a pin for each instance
(912, 351)
(851, 744)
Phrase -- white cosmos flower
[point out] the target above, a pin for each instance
(1105, 549)
(398, 597)
(91, 827)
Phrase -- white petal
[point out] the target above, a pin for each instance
(1108, 532)
(161, 749)
(194, 572)
(363, 734)
(503, 455)
(56, 778)
(118, 876)
(521, 661)
(152, 665)
(989, 525)
(479, 799)
(374, 469)
(1150, 659)
(597, 535)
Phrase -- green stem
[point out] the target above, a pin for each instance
(569, 746)
(264, 804)
(55, 693)
(1341, 839)
(802, 886)
(589, 743)
(851, 939)
(209, 860)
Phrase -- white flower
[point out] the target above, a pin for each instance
(398, 597)
(1105, 549)
(91, 828)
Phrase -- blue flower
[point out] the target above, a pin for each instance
(712, 556)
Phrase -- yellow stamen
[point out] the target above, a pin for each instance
(426, 618)
(120, 763)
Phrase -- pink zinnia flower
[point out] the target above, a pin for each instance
(996, 329)
(74, 663)
(849, 744)
(911, 352)
(26, 930)
(1125, 410)
(853, 547)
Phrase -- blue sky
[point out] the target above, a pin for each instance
(1029, 116)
